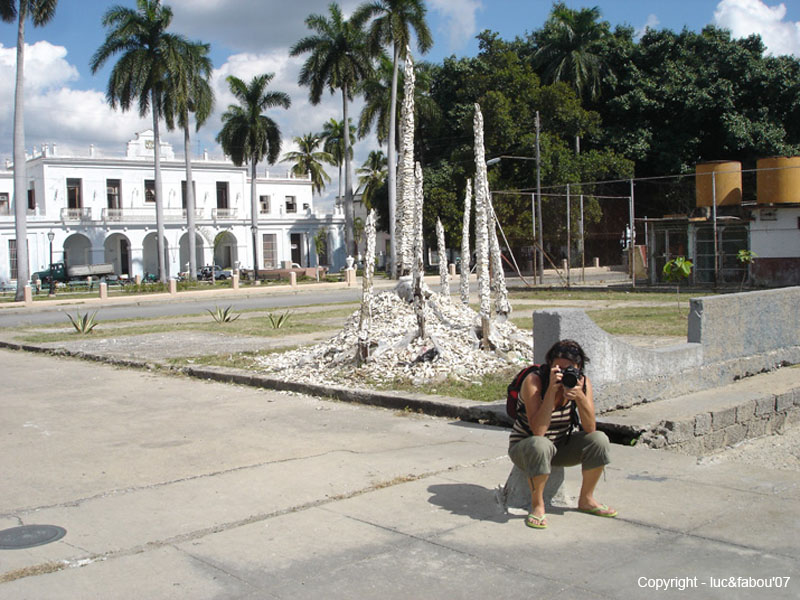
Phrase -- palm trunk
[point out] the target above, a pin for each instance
(391, 154)
(190, 225)
(162, 270)
(20, 178)
(254, 218)
(348, 190)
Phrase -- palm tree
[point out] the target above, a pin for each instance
(333, 134)
(309, 159)
(568, 48)
(249, 136)
(149, 55)
(188, 91)
(339, 59)
(392, 26)
(40, 11)
(377, 98)
(372, 176)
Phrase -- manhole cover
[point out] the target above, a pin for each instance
(29, 536)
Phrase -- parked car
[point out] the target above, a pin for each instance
(219, 273)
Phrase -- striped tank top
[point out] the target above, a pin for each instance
(561, 423)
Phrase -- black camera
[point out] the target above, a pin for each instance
(570, 377)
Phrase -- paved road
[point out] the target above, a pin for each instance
(197, 302)
(175, 488)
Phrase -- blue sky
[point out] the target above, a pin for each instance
(65, 102)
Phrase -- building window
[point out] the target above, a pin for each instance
(183, 193)
(291, 204)
(12, 258)
(263, 202)
(5, 208)
(149, 190)
(270, 244)
(74, 199)
(222, 194)
(113, 187)
(31, 198)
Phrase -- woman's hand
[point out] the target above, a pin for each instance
(576, 394)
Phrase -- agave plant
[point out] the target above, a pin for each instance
(279, 321)
(223, 315)
(83, 324)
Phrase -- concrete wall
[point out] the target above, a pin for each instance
(730, 337)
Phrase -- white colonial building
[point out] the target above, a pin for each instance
(102, 210)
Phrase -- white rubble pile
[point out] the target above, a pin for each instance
(451, 348)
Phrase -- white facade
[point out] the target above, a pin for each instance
(102, 210)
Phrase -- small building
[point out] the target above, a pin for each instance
(102, 210)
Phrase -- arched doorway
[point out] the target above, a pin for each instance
(184, 251)
(150, 255)
(225, 252)
(118, 252)
(77, 250)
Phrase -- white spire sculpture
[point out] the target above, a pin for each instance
(465, 254)
(404, 228)
(366, 289)
(481, 226)
(444, 275)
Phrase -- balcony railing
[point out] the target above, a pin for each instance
(224, 213)
(146, 215)
(76, 214)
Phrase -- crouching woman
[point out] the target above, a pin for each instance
(555, 426)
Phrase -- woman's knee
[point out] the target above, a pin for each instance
(533, 455)
(596, 450)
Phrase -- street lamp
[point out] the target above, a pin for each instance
(538, 251)
(50, 237)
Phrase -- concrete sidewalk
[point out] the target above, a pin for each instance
(176, 488)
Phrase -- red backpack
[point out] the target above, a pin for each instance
(512, 392)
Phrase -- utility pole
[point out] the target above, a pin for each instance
(539, 202)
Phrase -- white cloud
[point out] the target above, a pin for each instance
(746, 17)
(251, 25)
(54, 112)
(459, 20)
(651, 23)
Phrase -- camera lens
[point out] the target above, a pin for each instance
(570, 377)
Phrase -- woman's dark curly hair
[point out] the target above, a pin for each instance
(569, 349)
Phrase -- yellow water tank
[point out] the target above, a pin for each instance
(726, 181)
(778, 180)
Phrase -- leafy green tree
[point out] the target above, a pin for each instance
(40, 12)
(568, 48)
(249, 136)
(149, 55)
(334, 144)
(372, 176)
(677, 99)
(503, 81)
(188, 91)
(309, 159)
(392, 25)
(339, 59)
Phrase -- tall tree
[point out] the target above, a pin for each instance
(377, 98)
(334, 144)
(338, 60)
(392, 24)
(309, 159)
(248, 136)
(149, 55)
(189, 91)
(568, 48)
(40, 12)
(372, 176)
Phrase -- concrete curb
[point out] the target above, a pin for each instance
(437, 406)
